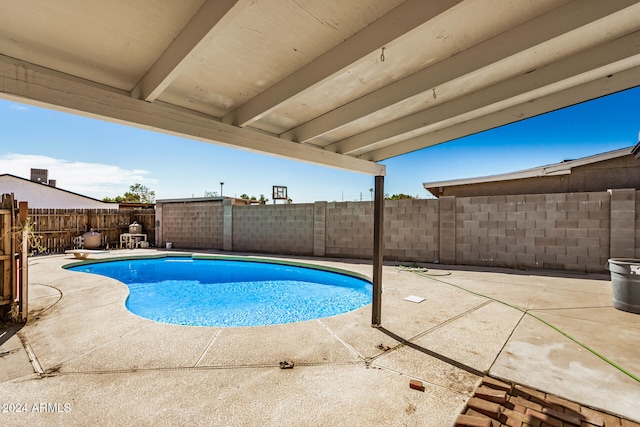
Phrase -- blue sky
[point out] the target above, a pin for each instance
(101, 159)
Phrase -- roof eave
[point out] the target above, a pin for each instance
(563, 168)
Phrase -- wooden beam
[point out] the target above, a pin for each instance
(593, 89)
(389, 27)
(545, 27)
(30, 83)
(501, 95)
(206, 24)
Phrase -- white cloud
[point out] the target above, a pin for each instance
(18, 107)
(90, 179)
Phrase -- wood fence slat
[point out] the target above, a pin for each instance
(6, 252)
(60, 226)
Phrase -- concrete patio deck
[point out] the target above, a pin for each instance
(99, 364)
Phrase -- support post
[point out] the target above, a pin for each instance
(23, 258)
(23, 284)
(378, 249)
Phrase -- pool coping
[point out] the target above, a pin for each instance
(195, 255)
(361, 278)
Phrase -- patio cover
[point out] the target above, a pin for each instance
(344, 84)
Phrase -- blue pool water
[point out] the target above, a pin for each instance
(217, 292)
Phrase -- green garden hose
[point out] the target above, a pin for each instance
(422, 271)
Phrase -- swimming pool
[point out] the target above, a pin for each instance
(230, 292)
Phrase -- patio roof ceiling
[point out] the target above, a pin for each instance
(339, 83)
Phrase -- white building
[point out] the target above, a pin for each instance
(42, 195)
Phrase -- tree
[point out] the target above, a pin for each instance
(117, 199)
(400, 196)
(137, 193)
(141, 193)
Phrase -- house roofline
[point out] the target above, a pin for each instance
(563, 168)
(199, 199)
(190, 199)
(56, 188)
(636, 150)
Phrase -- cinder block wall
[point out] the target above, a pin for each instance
(197, 225)
(411, 230)
(637, 229)
(281, 229)
(349, 230)
(623, 223)
(555, 231)
(566, 231)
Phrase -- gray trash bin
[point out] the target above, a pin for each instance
(625, 283)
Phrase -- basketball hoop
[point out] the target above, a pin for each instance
(279, 193)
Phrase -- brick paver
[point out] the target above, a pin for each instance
(499, 403)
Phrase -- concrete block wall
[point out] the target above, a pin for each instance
(319, 228)
(411, 230)
(623, 223)
(447, 230)
(197, 225)
(282, 229)
(566, 231)
(637, 229)
(555, 231)
(349, 230)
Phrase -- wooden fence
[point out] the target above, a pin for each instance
(13, 261)
(59, 227)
